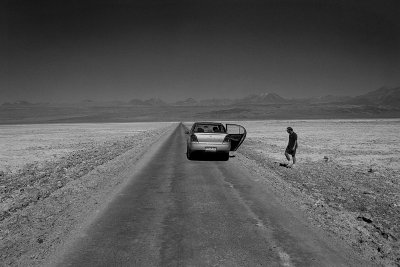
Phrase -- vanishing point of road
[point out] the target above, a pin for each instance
(176, 212)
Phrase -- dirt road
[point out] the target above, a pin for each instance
(176, 212)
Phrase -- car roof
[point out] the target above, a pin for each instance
(206, 122)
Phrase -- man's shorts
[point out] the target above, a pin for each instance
(290, 151)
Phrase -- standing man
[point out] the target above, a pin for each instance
(291, 147)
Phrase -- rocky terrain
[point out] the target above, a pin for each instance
(44, 201)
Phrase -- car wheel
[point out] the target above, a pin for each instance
(189, 154)
(225, 156)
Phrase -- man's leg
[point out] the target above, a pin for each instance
(294, 157)
(287, 156)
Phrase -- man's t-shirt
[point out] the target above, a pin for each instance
(292, 140)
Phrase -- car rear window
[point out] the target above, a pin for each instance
(209, 128)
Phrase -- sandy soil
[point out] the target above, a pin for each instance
(46, 199)
(354, 195)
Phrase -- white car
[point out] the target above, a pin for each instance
(213, 138)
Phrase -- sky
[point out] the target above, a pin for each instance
(71, 50)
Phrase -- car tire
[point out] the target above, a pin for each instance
(189, 154)
(225, 156)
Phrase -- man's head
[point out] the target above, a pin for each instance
(289, 129)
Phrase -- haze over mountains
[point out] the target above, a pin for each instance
(381, 103)
(383, 96)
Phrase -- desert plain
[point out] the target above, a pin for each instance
(346, 179)
(54, 176)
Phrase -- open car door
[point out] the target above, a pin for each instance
(236, 134)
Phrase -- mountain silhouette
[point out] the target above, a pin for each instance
(155, 102)
(265, 98)
(187, 102)
(21, 103)
(383, 96)
(137, 102)
(148, 102)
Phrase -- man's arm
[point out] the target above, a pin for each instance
(295, 144)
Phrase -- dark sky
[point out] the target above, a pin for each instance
(118, 50)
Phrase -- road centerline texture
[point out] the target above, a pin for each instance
(177, 212)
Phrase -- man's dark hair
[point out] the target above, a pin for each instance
(289, 128)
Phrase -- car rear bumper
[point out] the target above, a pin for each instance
(209, 147)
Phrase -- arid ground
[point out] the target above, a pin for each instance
(346, 179)
(54, 176)
(40, 143)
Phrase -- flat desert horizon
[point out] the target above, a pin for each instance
(110, 114)
(363, 143)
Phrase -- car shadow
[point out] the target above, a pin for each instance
(207, 157)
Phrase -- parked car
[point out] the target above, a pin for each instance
(214, 138)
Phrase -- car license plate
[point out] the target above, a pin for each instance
(211, 149)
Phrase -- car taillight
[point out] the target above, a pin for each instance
(193, 138)
(226, 139)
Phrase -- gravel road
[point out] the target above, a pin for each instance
(176, 212)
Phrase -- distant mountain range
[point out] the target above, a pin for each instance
(381, 103)
(148, 102)
(388, 97)
(265, 98)
(22, 103)
(381, 97)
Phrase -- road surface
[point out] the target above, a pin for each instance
(176, 212)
